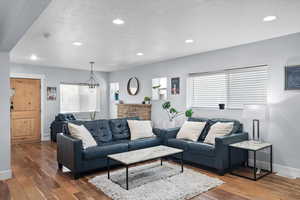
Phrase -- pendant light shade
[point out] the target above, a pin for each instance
(92, 82)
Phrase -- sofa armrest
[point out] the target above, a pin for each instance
(230, 139)
(69, 152)
(221, 148)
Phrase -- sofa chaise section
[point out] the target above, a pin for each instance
(213, 156)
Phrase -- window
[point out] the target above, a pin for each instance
(79, 98)
(209, 90)
(235, 88)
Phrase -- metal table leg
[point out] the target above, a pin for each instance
(229, 158)
(271, 159)
(126, 177)
(254, 167)
(108, 168)
(181, 162)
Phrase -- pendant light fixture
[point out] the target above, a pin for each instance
(92, 82)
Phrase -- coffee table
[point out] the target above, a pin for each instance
(142, 155)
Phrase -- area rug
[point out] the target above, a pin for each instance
(155, 182)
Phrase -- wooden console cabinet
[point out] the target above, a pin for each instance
(143, 111)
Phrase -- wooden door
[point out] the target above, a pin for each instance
(25, 110)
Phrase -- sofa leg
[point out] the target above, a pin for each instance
(76, 176)
(60, 166)
(221, 172)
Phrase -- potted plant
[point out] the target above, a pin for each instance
(147, 100)
(117, 95)
(173, 113)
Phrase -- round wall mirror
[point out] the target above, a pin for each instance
(133, 86)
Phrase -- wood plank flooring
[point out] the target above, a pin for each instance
(35, 177)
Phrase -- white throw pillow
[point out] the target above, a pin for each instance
(191, 130)
(140, 129)
(218, 129)
(81, 133)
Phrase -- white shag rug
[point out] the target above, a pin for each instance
(155, 182)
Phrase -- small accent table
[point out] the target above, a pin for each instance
(252, 146)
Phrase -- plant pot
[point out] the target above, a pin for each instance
(221, 106)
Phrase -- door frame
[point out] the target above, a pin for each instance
(42, 78)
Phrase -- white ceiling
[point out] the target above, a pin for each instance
(16, 16)
(158, 28)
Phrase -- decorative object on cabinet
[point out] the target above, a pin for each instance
(292, 77)
(133, 86)
(147, 100)
(175, 86)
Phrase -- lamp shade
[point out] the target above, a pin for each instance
(255, 111)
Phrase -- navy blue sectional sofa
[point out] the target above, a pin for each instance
(113, 136)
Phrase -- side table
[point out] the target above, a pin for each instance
(252, 146)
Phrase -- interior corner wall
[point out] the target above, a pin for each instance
(5, 166)
(53, 77)
(282, 128)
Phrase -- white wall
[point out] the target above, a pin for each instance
(5, 169)
(53, 77)
(282, 129)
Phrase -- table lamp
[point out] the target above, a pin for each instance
(255, 113)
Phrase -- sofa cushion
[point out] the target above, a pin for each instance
(237, 126)
(119, 128)
(144, 143)
(204, 132)
(99, 129)
(140, 129)
(201, 148)
(82, 133)
(191, 130)
(102, 151)
(178, 143)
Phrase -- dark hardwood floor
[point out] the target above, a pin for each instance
(35, 176)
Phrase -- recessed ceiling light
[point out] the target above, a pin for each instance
(189, 41)
(269, 18)
(140, 54)
(33, 57)
(77, 43)
(118, 21)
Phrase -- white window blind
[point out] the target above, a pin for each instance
(247, 86)
(209, 90)
(234, 88)
(79, 98)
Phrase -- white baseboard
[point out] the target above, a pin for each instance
(6, 174)
(46, 138)
(280, 170)
(286, 171)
